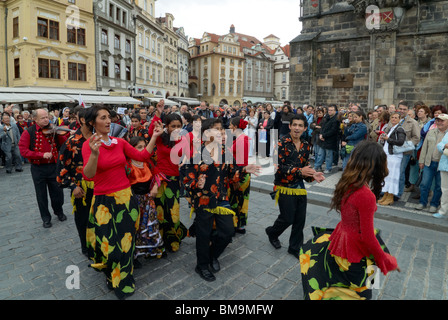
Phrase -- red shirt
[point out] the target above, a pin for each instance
(354, 237)
(165, 163)
(240, 150)
(111, 173)
(37, 157)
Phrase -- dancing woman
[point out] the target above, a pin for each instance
(239, 192)
(114, 213)
(337, 264)
(167, 199)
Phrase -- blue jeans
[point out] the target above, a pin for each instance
(404, 164)
(429, 174)
(324, 154)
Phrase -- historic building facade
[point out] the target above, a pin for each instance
(47, 44)
(390, 51)
(150, 44)
(183, 57)
(115, 45)
(171, 70)
(216, 69)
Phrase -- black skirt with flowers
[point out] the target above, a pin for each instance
(111, 231)
(329, 277)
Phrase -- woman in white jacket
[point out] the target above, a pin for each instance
(442, 146)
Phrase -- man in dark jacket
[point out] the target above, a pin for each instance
(328, 140)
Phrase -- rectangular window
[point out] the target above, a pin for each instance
(72, 71)
(128, 73)
(15, 27)
(55, 69)
(117, 71)
(105, 66)
(345, 59)
(104, 37)
(124, 17)
(71, 34)
(42, 27)
(17, 68)
(49, 68)
(81, 37)
(128, 46)
(117, 42)
(111, 10)
(54, 30)
(44, 71)
(82, 72)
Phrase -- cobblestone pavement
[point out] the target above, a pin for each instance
(34, 260)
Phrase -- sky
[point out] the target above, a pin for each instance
(258, 18)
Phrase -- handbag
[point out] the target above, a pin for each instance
(407, 146)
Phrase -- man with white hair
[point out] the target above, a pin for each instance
(42, 152)
(429, 163)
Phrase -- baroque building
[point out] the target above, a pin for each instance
(47, 44)
(216, 69)
(370, 52)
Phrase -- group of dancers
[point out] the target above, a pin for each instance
(125, 192)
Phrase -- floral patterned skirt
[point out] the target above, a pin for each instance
(329, 277)
(172, 229)
(239, 200)
(148, 243)
(111, 230)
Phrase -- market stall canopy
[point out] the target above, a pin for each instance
(92, 99)
(6, 97)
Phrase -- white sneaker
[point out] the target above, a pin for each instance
(327, 171)
(438, 215)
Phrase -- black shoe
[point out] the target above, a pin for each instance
(240, 230)
(47, 224)
(62, 217)
(295, 253)
(214, 265)
(205, 274)
(274, 241)
(8, 171)
(19, 170)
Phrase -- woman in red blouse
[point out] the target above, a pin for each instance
(239, 192)
(114, 213)
(338, 264)
(170, 148)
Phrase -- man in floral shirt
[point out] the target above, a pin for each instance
(293, 167)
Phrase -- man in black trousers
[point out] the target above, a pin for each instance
(293, 167)
(42, 152)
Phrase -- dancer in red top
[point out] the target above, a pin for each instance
(239, 192)
(338, 263)
(113, 220)
(170, 149)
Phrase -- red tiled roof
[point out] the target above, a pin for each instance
(286, 50)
